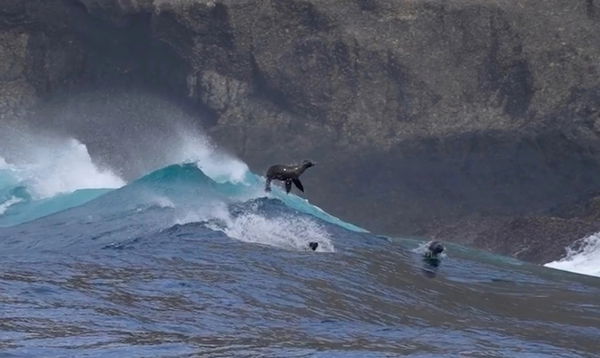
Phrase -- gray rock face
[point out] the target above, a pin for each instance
(422, 115)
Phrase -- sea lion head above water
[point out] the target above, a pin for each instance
(434, 249)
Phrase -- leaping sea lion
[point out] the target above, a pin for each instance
(287, 173)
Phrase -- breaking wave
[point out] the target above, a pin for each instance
(194, 258)
(582, 257)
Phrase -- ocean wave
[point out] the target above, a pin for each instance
(8, 203)
(51, 179)
(582, 257)
(198, 250)
(60, 167)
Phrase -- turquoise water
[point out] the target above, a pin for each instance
(28, 209)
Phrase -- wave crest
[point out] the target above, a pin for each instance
(582, 257)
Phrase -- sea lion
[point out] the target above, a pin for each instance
(432, 258)
(287, 173)
(434, 249)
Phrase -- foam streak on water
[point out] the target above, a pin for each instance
(287, 232)
(6, 204)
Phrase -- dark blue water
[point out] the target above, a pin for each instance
(179, 265)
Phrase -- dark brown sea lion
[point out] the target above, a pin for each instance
(287, 173)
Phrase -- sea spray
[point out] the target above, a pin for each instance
(57, 166)
(63, 169)
(287, 231)
(290, 232)
(55, 175)
(194, 147)
(423, 249)
(583, 257)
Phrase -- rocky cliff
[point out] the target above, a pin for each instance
(468, 120)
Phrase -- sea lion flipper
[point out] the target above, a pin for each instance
(298, 184)
(288, 186)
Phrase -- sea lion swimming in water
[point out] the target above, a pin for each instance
(289, 174)
(434, 249)
(432, 258)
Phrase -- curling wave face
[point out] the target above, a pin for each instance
(48, 181)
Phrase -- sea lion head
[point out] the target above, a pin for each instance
(308, 163)
(435, 248)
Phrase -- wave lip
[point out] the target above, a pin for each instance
(61, 168)
(582, 257)
(47, 180)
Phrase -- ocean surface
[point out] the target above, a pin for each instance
(195, 259)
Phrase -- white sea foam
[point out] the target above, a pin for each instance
(287, 232)
(8, 203)
(194, 147)
(162, 202)
(68, 168)
(423, 248)
(64, 168)
(216, 211)
(51, 166)
(583, 257)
